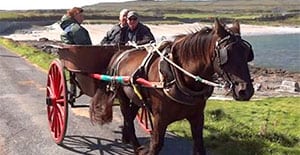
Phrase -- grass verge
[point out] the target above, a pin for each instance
(32, 54)
(268, 126)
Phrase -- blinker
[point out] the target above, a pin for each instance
(223, 56)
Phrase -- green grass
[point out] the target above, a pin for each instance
(9, 15)
(268, 126)
(33, 55)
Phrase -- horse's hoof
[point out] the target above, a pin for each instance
(142, 150)
(125, 140)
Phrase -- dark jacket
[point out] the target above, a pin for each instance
(74, 33)
(141, 35)
(113, 36)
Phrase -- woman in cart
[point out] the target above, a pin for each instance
(73, 32)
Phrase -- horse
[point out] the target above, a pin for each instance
(218, 50)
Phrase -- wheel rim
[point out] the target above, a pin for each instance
(57, 107)
(144, 118)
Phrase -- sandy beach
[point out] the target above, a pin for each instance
(98, 31)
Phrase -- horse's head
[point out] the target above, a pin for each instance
(232, 55)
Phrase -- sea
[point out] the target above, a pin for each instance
(280, 51)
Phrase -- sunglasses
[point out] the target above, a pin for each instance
(132, 18)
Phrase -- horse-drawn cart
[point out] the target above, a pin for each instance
(176, 74)
(83, 68)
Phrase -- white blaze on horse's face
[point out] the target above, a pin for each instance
(233, 54)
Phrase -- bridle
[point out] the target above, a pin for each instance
(221, 55)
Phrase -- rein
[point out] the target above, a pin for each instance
(196, 78)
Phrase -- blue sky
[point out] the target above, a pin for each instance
(48, 4)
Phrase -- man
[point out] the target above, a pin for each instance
(114, 35)
(136, 31)
(74, 33)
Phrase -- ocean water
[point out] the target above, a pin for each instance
(280, 51)
(276, 51)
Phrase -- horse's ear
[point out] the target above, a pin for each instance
(236, 26)
(220, 29)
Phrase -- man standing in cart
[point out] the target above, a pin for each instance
(73, 32)
(113, 36)
(136, 31)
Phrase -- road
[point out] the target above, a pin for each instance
(24, 126)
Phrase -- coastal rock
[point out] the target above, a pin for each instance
(290, 86)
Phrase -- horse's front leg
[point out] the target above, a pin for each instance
(197, 123)
(129, 111)
(158, 136)
(156, 139)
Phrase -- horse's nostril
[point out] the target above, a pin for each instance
(245, 94)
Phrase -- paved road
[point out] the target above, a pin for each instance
(24, 126)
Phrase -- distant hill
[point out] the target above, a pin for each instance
(274, 12)
(205, 10)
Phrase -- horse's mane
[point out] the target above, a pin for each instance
(193, 45)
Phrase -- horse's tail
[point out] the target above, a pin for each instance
(101, 107)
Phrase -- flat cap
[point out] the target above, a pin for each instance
(132, 14)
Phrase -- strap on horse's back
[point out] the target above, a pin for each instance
(142, 72)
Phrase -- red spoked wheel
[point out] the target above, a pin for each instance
(144, 118)
(57, 102)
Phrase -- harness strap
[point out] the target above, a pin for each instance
(197, 78)
(142, 71)
(136, 91)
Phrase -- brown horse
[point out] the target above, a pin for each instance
(218, 50)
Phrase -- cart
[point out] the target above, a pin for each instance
(78, 71)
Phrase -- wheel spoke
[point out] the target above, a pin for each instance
(49, 90)
(53, 121)
(61, 101)
(56, 131)
(61, 87)
(57, 124)
(56, 88)
(60, 121)
(61, 107)
(142, 115)
(50, 113)
(51, 83)
(145, 119)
